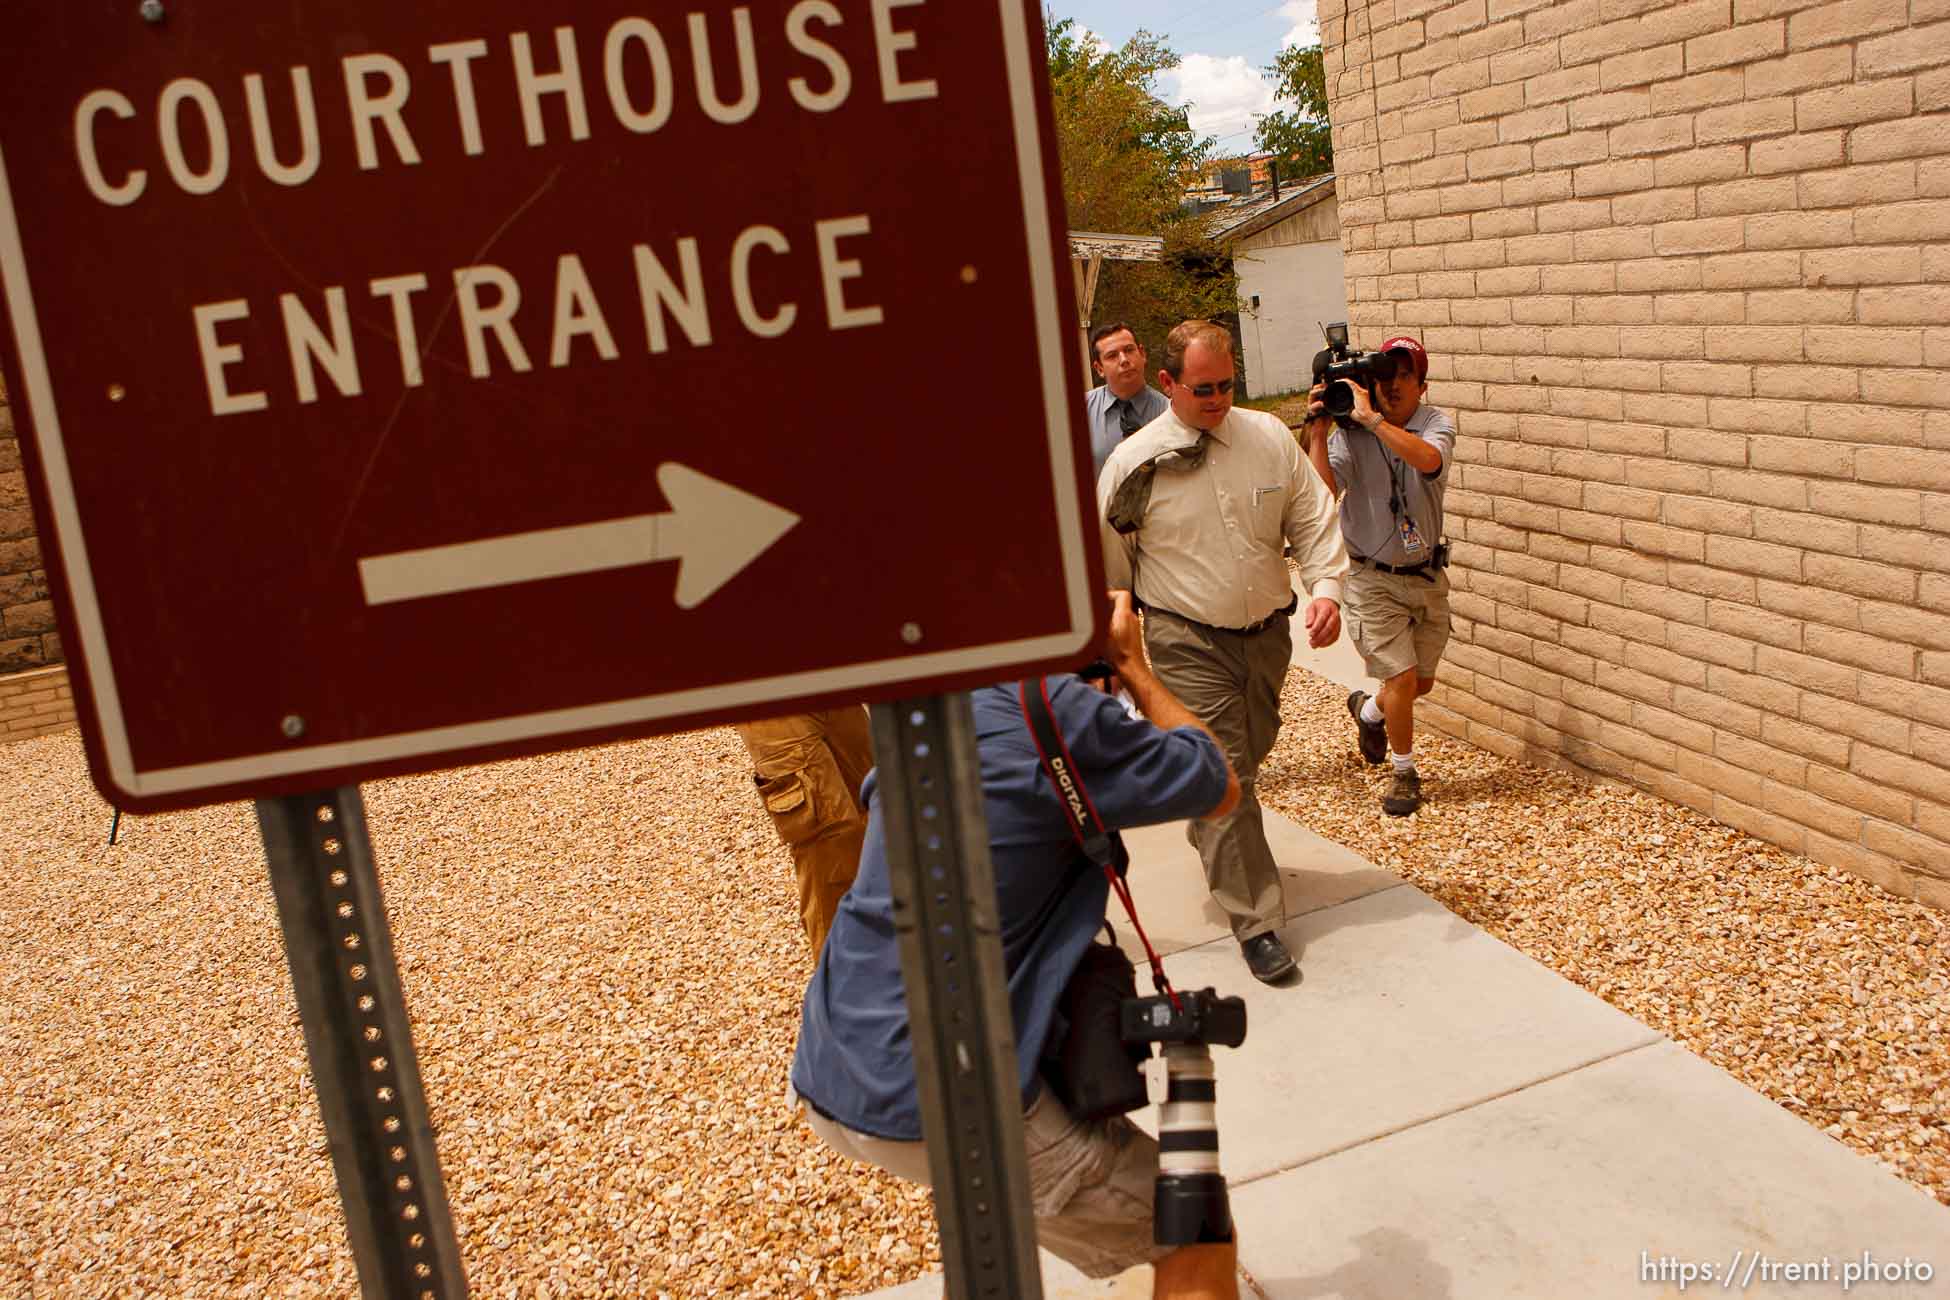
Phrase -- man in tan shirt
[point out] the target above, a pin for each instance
(1199, 507)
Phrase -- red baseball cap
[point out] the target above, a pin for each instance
(1402, 343)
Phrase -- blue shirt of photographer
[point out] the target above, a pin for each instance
(854, 1062)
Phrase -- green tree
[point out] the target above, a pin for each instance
(1127, 157)
(1125, 152)
(1300, 134)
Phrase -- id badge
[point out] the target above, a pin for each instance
(1412, 543)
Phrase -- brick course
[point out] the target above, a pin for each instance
(35, 703)
(27, 635)
(1691, 307)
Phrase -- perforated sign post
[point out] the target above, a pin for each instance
(402, 386)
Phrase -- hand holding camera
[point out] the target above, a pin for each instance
(1345, 381)
(1124, 644)
(1318, 419)
(1361, 406)
(1360, 414)
(1123, 651)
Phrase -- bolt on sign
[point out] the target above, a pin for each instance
(403, 385)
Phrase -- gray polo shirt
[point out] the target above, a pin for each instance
(1106, 430)
(1366, 469)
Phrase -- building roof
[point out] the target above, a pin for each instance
(1086, 244)
(1252, 213)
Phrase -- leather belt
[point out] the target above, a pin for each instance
(1405, 570)
(1248, 630)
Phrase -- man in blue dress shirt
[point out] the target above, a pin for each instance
(1123, 403)
(1091, 1181)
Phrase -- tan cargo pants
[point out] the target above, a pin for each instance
(1231, 680)
(809, 770)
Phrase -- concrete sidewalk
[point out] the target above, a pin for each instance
(1431, 1115)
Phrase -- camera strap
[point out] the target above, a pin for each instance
(1099, 845)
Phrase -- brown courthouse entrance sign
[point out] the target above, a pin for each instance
(409, 384)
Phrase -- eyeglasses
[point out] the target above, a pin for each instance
(1206, 390)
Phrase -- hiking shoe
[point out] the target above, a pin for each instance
(1267, 958)
(1404, 793)
(1373, 735)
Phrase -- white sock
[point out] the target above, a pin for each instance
(1402, 762)
(1370, 711)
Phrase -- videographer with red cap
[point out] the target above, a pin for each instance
(1388, 461)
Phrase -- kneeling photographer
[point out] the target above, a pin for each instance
(1093, 1180)
(1372, 437)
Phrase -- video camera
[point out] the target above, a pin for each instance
(1340, 368)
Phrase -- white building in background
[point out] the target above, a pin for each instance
(1286, 249)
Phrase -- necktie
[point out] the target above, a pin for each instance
(1127, 418)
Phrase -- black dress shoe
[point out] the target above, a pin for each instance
(1267, 958)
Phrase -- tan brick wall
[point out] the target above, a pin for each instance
(1683, 271)
(27, 635)
(35, 703)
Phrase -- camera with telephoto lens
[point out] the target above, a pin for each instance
(1190, 1205)
(1200, 1016)
(1340, 367)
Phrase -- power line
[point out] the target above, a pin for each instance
(1242, 131)
(1228, 24)
(1167, 34)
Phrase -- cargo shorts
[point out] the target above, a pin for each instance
(1397, 621)
(1091, 1182)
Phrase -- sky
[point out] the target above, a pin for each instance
(1225, 46)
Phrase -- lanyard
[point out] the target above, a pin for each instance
(1098, 844)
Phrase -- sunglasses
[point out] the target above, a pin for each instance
(1207, 390)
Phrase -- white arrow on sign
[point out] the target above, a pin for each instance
(713, 530)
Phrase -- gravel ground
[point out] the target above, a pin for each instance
(1815, 988)
(603, 962)
(602, 958)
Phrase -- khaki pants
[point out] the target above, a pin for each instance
(1397, 621)
(1232, 681)
(1092, 1183)
(810, 766)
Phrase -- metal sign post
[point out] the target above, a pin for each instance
(361, 1048)
(957, 995)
